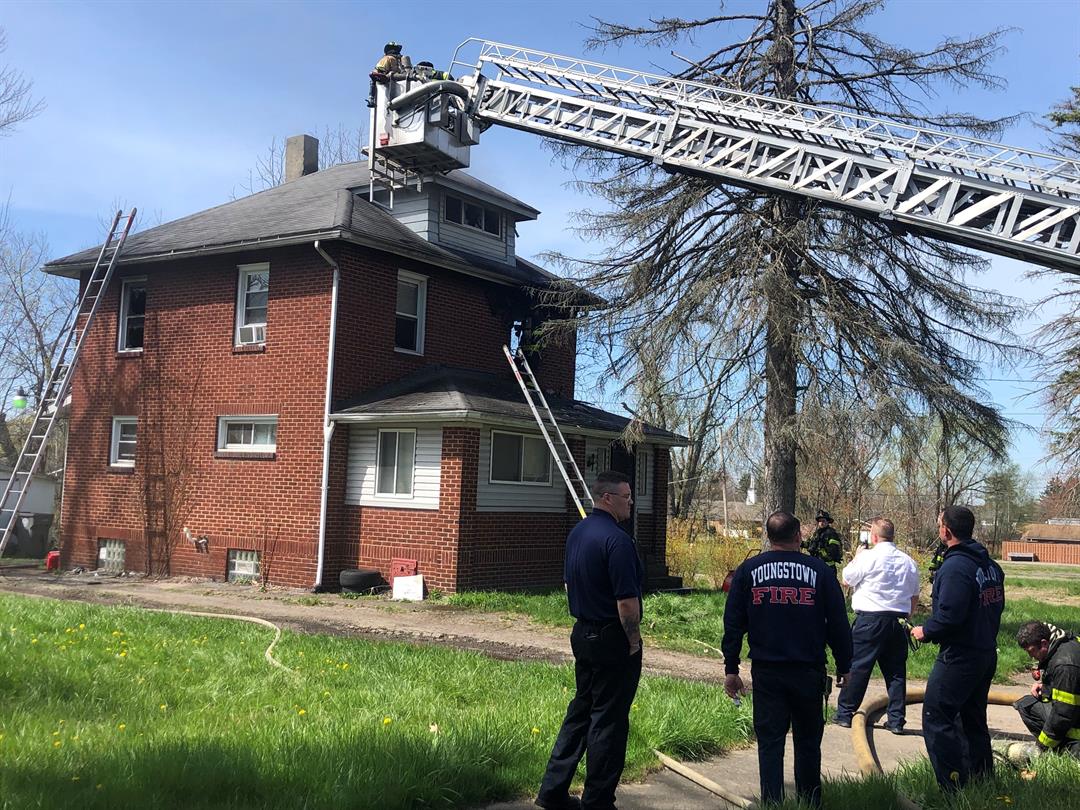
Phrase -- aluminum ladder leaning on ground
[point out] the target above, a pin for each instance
(559, 449)
(51, 398)
(1000, 199)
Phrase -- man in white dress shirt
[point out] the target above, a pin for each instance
(886, 585)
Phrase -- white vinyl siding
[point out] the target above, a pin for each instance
(123, 442)
(362, 472)
(252, 299)
(132, 315)
(247, 434)
(515, 497)
(643, 479)
(410, 313)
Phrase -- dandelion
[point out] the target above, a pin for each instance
(56, 733)
(535, 730)
(163, 706)
(115, 633)
(69, 630)
(122, 654)
(33, 641)
(434, 728)
(302, 712)
(122, 726)
(386, 721)
(82, 626)
(633, 707)
(56, 743)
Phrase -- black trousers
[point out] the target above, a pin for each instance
(1034, 713)
(954, 715)
(789, 696)
(597, 719)
(879, 639)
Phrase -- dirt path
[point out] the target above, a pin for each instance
(504, 636)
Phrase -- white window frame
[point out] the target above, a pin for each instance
(225, 422)
(641, 473)
(258, 329)
(378, 465)
(485, 209)
(491, 460)
(421, 310)
(114, 441)
(121, 337)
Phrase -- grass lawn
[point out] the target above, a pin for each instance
(1054, 787)
(695, 623)
(118, 707)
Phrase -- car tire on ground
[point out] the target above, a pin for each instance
(360, 580)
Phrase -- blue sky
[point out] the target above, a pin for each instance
(168, 105)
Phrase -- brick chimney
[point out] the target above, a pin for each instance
(301, 157)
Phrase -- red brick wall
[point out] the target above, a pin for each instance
(189, 373)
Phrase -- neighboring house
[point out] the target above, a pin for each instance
(1053, 542)
(217, 357)
(31, 535)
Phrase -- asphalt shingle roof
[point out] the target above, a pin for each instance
(319, 205)
(442, 389)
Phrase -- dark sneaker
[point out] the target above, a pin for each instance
(894, 728)
(843, 722)
(565, 803)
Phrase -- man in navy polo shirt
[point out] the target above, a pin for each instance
(603, 586)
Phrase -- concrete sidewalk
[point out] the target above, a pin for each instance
(737, 771)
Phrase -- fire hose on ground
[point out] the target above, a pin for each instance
(865, 759)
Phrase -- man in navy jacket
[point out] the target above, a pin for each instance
(968, 598)
(790, 605)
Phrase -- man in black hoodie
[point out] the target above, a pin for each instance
(968, 597)
(790, 604)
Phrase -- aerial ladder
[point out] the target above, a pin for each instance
(999, 199)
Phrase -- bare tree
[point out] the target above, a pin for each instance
(17, 104)
(336, 146)
(816, 299)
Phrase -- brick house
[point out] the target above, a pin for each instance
(300, 382)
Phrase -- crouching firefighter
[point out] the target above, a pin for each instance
(825, 542)
(1052, 710)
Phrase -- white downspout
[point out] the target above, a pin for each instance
(328, 426)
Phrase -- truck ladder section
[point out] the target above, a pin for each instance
(558, 447)
(1000, 199)
(63, 364)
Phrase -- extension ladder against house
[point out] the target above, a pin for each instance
(556, 443)
(51, 398)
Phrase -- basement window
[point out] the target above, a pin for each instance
(251, 304)
(122, 445)
(247, 434)
(132, 315)
(243, 565)
(519, 459)
(473, 215)
(111, 556)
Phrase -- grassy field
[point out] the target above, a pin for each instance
(117, 707)
(694, 623)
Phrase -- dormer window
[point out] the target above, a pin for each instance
(473, 215)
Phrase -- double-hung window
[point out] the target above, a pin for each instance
(132, 315)
(473, 215)
(395, 462)
(409, 314)
(122, 444)
(251, 301)
(247, 434)
(519, 459)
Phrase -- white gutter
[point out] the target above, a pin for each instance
(328, 426)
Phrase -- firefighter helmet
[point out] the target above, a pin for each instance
(392, 47)
(823, 515)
